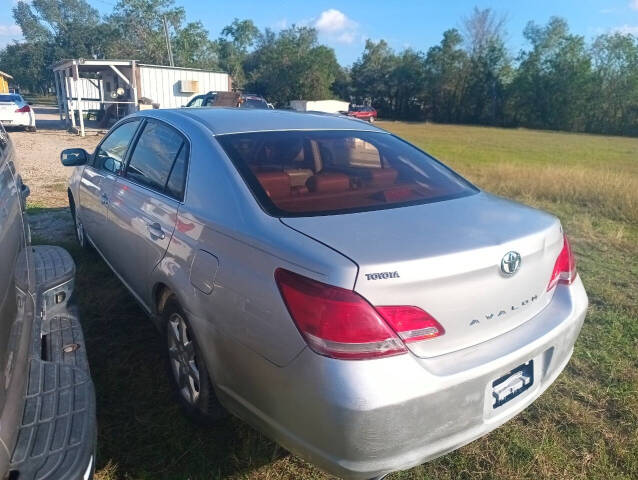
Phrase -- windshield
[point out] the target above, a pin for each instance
(302, 173)
(10, 98)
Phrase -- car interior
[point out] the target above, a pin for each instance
(318, 173)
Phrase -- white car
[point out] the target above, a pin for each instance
(16, 112)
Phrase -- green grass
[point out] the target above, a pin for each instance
(584, 426)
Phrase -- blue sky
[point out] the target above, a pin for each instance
(408, 23)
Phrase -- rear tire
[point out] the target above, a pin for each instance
(186, 368)
(372, 120)
(80, 234)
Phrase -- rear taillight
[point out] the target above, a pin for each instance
(411, 323)
(25, 109)
(565, 266)
(340, 323)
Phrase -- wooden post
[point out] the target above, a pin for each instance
(76, 79)
(58, 93)
(134, 86)
(70, 98)
(65, 101)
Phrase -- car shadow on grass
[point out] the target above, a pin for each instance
(142, 432)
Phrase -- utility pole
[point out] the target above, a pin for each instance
(168, 42)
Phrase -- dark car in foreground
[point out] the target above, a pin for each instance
(47, 401)
(328, 282)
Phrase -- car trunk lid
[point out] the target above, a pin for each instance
(445, 258)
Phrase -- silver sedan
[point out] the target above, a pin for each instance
(329, 283)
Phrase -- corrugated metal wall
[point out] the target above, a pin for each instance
(162, 84)
(88, 91)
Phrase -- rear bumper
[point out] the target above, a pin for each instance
(26, 119)
(361, 419)
(57, 435)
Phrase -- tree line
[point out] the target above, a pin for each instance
(558, 82)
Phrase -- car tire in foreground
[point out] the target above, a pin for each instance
(186, 369)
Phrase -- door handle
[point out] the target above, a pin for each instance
(156, 231)
(104, 199)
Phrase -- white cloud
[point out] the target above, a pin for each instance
(335, 25)
(332, 20)
(281, 24)
(10, 30)
(633, 4)
(627, 29)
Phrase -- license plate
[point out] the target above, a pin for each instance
(512, 384)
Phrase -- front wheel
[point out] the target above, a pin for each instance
(371, 119)
(187, 369)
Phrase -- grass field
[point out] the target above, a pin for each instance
(584, 426)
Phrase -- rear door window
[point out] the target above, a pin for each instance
(154, 156)
(301, 173)
(111, 153)
(177, 177)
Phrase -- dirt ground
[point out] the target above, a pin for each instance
(38, 156)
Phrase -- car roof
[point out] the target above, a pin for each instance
(223, 120)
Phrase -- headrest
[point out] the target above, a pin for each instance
(328, 182)
(381, 177)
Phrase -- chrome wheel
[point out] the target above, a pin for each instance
(183, 361)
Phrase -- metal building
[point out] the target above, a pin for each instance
(106, 90)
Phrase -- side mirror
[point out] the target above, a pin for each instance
(73, 157)
(113, 165)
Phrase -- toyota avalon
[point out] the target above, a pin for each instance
(328, 282)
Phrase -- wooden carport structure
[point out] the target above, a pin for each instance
(82, 84)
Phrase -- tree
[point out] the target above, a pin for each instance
(553, 83)
(488, 67)
(291, 65)
(615, 101)
(53, 30)
(233, 47)
(138, 27)
(373, 77)
(192, 48)
(445, 66)
(29, 64)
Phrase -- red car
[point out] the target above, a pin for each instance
(363, 113)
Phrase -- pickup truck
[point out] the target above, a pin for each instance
(47, 399)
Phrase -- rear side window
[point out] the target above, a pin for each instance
(155, 153)
(111, 153)
(302, 173)
(177, 178)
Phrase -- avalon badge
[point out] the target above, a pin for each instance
(510, 263)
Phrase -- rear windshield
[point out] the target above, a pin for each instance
(303, 173)
(10, 98)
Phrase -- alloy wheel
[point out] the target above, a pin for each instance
(183, 361)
